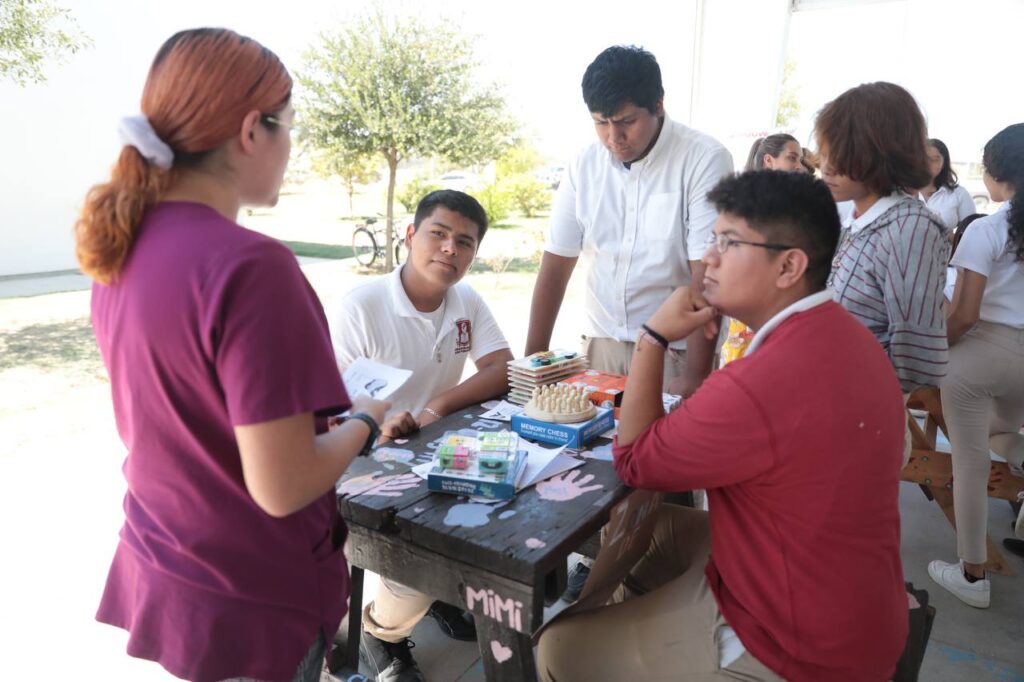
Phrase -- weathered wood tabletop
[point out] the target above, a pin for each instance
(500, 561)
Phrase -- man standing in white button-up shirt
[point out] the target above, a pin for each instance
(634, 206)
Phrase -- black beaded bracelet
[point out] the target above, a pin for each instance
(662, 341)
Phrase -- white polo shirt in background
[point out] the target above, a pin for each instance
(950, 205)
(983, 250)
(636, 229)
(378, 321)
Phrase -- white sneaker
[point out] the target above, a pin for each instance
(951, 576)
(1018, 528)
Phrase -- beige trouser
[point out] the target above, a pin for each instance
(394, 611)
(614, 357)
(983, 403)
(662, 624)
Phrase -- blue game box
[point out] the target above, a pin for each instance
(575, 436)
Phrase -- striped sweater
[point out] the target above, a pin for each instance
(889, 274)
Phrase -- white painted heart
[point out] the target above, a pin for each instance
(501, 652)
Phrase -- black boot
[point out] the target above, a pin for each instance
(1014, 545)
(453, 621)
(389, 662)
(577, 579)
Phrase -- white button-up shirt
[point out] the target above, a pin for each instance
(950, 205)
(637, 228)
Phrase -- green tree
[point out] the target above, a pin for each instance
(401, 88)
(789, 105)
(33, 32)
(351, 169)
(520, 158)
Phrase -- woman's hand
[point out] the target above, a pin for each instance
(375, 408)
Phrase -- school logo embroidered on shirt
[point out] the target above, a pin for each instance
(463, 335)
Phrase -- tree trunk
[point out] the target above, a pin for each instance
(351, 193)
(389, 251)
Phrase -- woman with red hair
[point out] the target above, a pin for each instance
(230, 562)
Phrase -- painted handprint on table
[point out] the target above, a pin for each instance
(565, 486)
(392, 485)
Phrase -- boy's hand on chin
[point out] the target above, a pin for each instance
(682, 313)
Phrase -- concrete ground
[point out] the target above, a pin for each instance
(60, 493)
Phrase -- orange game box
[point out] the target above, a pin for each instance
(603, 389)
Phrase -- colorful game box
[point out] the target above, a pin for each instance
(541, 369)
(603, 389)
(488, 464)
(575, 436)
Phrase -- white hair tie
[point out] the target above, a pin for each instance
(136, 131)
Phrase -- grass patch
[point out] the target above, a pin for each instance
(314, 250)
(500, 265)
(59, 346)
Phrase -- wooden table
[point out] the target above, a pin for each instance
(501, 562)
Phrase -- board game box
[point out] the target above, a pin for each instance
(488, 464)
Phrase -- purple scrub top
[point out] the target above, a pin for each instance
(208, 327)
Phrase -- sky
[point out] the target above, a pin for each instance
(956, 57)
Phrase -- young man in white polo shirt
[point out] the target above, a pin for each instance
(634, 205)
(422, 318)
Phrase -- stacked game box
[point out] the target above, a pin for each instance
(603, 389)
(541, 369)
(488, 464)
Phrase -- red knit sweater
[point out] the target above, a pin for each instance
(799, 447)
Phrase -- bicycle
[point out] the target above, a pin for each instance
(369, 243)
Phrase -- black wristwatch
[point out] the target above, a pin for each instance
(374, 431)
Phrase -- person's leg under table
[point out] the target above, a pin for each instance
(667, 633)
(394, 611)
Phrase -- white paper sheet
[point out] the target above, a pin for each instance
(503, 411)
(366, 377)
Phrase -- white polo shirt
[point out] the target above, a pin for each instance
(378, 321)
(983, 250)
(637, 228)
(950, 205)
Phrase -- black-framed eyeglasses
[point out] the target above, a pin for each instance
(722, 242)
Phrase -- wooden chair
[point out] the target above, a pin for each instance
(933, 470)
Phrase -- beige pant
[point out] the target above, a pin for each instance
(614, 357)
(983, 403)
(662, 624)
(394, 611)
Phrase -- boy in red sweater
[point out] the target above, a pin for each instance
(795, 572)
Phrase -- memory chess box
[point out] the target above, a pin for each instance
(488, 464)
(575, 436)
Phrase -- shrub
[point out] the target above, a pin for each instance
(410, 193)
(528, 194)
(496, 200)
